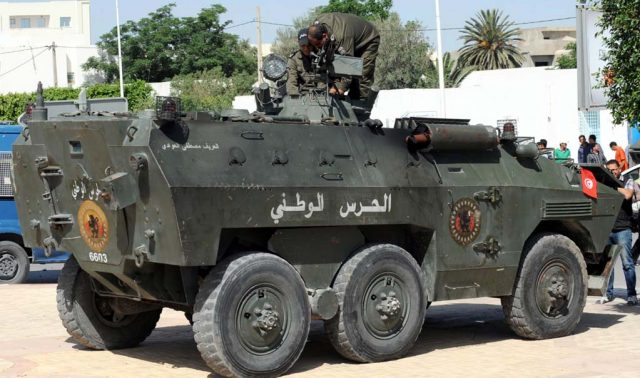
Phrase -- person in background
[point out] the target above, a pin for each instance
(593, 143)
(594, 156)
(562, 154)
(583, 150)
(621, 234)
(620, 155)
(542, 148)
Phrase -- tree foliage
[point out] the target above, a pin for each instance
(369, 9)
(403, 54)
(621, 74)
(160, 46)
(454, 73)
(210, 89)
(489, 42)
(138, 94)
(287, 38)
(568, 59)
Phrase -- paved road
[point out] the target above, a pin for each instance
(460, 338)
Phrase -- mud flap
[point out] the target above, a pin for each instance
(598, 284)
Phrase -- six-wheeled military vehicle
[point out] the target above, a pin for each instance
(255, 224)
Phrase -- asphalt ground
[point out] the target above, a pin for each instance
(460, 338)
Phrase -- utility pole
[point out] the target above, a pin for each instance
(443, 111)
(259, 44)
(55, 64)
(119, 49)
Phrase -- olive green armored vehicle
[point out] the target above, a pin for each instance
(256, 224)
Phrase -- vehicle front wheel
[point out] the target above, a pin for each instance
(14, 263)
(382, 304)
(91, 320)
(251, 316)
(551, 289)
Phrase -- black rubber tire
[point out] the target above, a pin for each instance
(521, 310)
(347, 330)
(14, 251)
(216, 315)
(83, 321)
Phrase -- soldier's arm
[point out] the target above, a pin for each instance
(292, 78)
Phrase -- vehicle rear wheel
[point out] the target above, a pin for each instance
(14, 263)
(382, 305)
(551, 289)
(251, 316)
(91, 320)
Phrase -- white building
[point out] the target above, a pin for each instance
(44, 41)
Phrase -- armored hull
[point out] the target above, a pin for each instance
(152, 210)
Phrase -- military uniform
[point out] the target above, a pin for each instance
(353, 36)
(300, 74)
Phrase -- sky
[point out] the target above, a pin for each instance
(453, 14)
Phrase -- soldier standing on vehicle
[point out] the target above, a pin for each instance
(621, 234)
(347, 34)
(301, 72)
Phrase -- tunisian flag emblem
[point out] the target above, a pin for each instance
(589, 184)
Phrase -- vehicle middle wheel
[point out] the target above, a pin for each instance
(382, 305)
(252, 316)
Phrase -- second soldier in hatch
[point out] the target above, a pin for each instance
(301, 74)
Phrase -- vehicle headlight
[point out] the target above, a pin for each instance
(274, 67)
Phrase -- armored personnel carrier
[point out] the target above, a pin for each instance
(255, 224)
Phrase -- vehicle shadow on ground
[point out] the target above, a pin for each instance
(446, 326)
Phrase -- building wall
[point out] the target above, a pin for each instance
(26, 53)
(542, 46)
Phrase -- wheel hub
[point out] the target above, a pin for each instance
(389, 306)
(8, 266)
(554, 287)
(262, 319)
(267, 319)
(385, 306)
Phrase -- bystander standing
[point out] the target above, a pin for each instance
(620, 155)
(562, 154)
(583, 150)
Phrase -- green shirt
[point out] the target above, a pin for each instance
(561, 156)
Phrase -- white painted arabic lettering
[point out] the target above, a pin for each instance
(188, 146)
(83, 189)
(300, 206)
(357, 208)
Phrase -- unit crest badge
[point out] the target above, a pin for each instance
(464, 222)
(94, 227)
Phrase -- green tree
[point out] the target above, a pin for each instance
(454, 73)
(403, 54)
(369, 9)
(621, 74)
(210, 89)
(489, 42)
(568, 60)
(160, 46)
(287, 38)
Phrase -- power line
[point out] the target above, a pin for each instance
(414, 30)
(46, 48)
(25, 49)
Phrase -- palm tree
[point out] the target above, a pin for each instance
(454, 72)
(489, 42)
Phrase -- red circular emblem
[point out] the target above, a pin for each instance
(464, 222)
